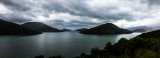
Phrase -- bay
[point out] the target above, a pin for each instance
(67, 44)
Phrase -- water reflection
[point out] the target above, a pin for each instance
(48, 44)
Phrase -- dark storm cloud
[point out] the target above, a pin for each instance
(16, 5)
(154, 2)
(72, 24)
(3, 17)
(72, 7)
(59, 21)
(83, 23)
(80, 8)
(80, 13)
(17, 18)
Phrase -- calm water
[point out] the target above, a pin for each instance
(67, 44)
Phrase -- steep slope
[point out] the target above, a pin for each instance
(8, 28)
(40, 27)
(153, 34)
(106, 29)
(146, 46)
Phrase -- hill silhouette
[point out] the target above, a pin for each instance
(40, 27)
(82, 29)
(106, 29)
(153, 34)
(66, 30)
(9, 28)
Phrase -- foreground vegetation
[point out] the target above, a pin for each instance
(146, 45)
(134, 48)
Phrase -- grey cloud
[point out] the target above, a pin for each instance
(154, 2)
(72, 7)
(72, 24)
(83, 23)
(28, 10)
(17, 18)
(16, 5)
(59, 21)
(80, 8)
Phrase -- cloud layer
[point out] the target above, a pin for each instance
(74, 14)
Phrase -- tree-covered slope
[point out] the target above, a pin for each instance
(153, 34)
(106, 29)
(40, 27)
(146, 45)
(9, 28)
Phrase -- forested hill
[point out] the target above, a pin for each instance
(153, 34)
(40, 27)
(9, 28)
(106, 29)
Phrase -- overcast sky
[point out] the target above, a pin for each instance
(74, 14)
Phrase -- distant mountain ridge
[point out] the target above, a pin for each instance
(66, 30)
(9, 28)
(139, 29)
(153, 34)
(106, 29)
(154, 28)
(40, 27)
(82, 29)
(144, 28)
